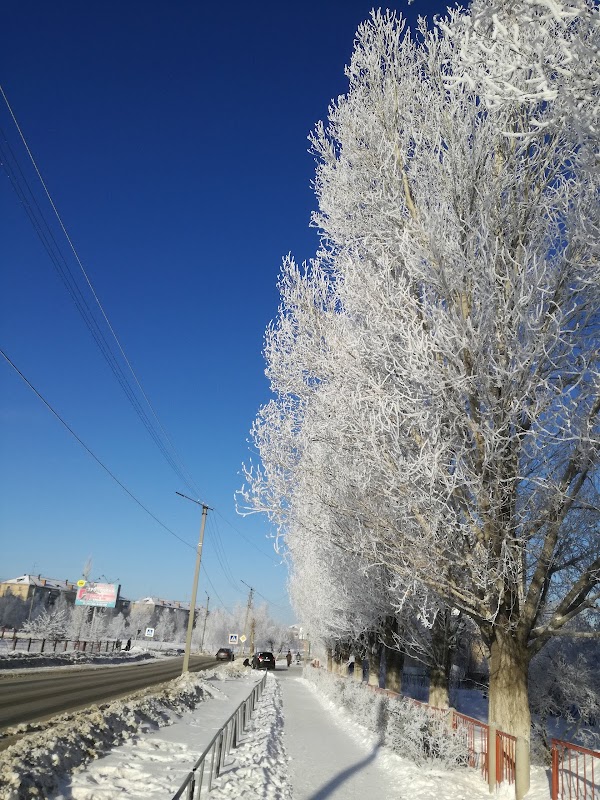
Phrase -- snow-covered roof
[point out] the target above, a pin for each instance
(46, 583)
(157, 601)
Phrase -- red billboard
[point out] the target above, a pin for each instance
(98, 594)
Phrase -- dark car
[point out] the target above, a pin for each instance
(225, 654)
(263, 660)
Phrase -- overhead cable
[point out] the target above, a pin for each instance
(93, 455)
(44, 232)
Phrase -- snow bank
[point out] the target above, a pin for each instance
(259, 768)
(34, 766)
(22, 660)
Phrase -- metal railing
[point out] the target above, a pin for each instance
(33, 644)
(506, 757)
(575, 772)
(227, 737)
(476, 734)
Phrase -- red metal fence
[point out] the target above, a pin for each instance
(476, 734)
(575, 772)
(506, 757)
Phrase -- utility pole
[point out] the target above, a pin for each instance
(248, 607)
(190, 628)
(252, 630)
(205, 618)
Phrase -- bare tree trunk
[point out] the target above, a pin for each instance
(329, 660)
(439, 675)
(439, 695)
(374, 661)
(509, 702)
(394, 659)
(344, 656)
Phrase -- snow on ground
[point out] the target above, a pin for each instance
(412, 782)
(34, 765)
(260, 764)
(364, 762)
(153, 766)
(145, 746)
(21, 659)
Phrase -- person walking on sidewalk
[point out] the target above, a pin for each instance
(288, 658)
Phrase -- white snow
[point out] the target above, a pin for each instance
(299, 746)
(153, 765)
(22, 660)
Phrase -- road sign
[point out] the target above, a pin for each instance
(149, 632)
(233, 638)
(242, 638)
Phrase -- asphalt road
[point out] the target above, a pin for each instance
(32, 697)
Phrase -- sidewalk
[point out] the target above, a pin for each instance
(153, 765)
(326, 762)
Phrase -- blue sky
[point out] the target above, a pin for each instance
(173, 140)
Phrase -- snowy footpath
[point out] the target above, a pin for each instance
(325, 761)
(155, 763)
(298, 746)
(332, 758)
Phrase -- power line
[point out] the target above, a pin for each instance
(270, 602)
(222, 556)
(104, 467)
(93, 455)
(48, 240)
(51, 246)
(239, 533)
(212, 586)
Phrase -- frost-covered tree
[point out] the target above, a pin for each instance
(531, 53)
(565, 689)
(116, 627)
(165, 628)
(78, 625)
(435, 369)
(48, 625)
(139, 618)
(219, 625)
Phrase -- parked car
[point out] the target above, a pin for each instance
(225, 654)
(263, 660)
(174, 651)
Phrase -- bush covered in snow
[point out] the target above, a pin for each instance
(409, 730)
(564, 694)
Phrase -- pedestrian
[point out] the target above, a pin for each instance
(288, 658)
(128, 645)
(297, 658)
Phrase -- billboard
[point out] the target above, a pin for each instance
(98, 594)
